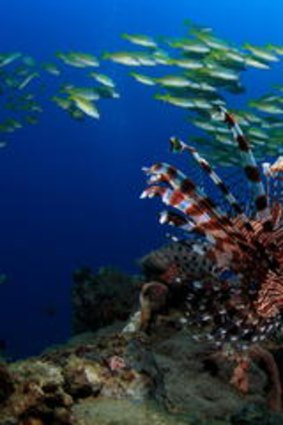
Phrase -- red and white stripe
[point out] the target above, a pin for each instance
(250, 167)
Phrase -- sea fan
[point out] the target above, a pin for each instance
(235, 295)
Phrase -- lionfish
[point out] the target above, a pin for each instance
(229, 260)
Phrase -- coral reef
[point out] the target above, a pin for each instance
(6, 383)
(132, 378)
(100, 299)
(163, 302)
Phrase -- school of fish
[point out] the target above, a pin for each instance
(194, 73)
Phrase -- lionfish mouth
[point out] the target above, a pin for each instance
(245, 240)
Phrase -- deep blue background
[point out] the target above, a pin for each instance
(69, 191)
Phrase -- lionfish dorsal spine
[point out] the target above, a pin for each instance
(251, 169)
(179, 146)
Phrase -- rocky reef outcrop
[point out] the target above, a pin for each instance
(99, 299)
(127, 366)
(113, 377)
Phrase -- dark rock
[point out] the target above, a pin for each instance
(6, 383)
(254, 414)
(101, 299)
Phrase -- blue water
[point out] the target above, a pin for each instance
(70, 191)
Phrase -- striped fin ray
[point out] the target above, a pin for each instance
(179, 146)
(176, 199)
(270, 298)
(174, 219)
(163, 172)
(277, 215)
(250, 167)
(275, 177)
(277, 185)
(199, 221)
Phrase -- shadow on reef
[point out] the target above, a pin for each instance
(100, 299)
